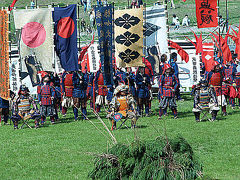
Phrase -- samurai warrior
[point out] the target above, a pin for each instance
(215, 78)
(100, 89)
(168, 85)
(46, 99)
(67, 91)
(143, 93)
(122, 106)
(90, 94)
(80, 86)
(22, 108)
(205, 98)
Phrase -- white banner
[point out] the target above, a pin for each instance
(36, 38)
(14, 75)
(156, 28)
(93, 58)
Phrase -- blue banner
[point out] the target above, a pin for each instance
(65, 29)
(104, 18)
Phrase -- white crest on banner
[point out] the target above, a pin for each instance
(93, 58)
(156, 28)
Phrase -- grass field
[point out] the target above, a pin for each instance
(61, 151)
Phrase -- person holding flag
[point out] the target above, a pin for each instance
(80, 85)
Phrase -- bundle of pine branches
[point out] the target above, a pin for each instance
(157, 159)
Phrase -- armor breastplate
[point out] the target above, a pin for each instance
(204, 98)
(168, 82)
(215, 79)
(100, 79)
(68, 80)
(123, 103)
(24, 105)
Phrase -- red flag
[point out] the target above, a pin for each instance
(184, 55)
(208, 56)
(84, 50)
(195, 45)
(13, 4)
(225, 50)
(237, 50)
(199, 48)
(206, 13)
(184, 0)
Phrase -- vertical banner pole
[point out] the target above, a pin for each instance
(145, 39)
(220, 51)
(113, 39)
(226, 15)
(79, 28)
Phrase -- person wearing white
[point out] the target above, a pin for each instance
(186, 21)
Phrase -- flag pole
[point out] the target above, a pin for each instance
(220, 50)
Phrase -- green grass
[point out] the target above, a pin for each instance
(61, 151)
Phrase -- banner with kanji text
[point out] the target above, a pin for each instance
(206, 13)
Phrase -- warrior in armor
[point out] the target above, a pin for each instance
(168, 85)
(22, 107)
(80, 85)
(173, 63)
(90, 87)
(122, 106)
(67, 91)
(215, 78)
(229, 77)
(143, 94)
(130, 80)
(100, 89)
(116, 82)
(205, 98)
(46, 99)
(237, 81)
(4, 110)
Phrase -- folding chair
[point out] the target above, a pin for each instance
(205, 112)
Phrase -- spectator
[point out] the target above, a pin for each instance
(134, 4)
(83, 25)
(32, 5)
(84, 2)
(91, 19)
(186, 21)
(172, 4)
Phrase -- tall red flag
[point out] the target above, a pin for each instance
(206, 13)
(225, 50)
(184, 55)
(13, 4)
(208, 56)
(237, 50)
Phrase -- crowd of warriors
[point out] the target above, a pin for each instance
(129, 96)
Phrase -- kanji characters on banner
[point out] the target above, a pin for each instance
(93, 58)
(104, 17)
(206, 13)
(4, 55)
(65, 29)
(36, 44)
(129, 37)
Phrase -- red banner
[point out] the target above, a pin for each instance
(4, 55)
(206, 13)
(208, 55)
